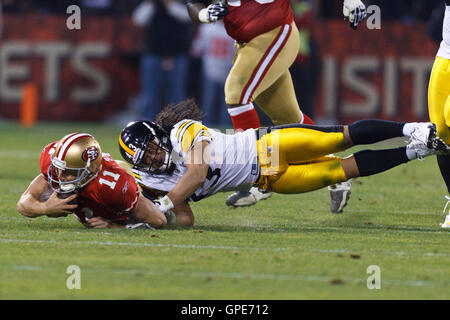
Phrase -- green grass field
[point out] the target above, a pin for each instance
(287, 247)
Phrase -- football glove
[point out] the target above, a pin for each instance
(355, 11)
(214, 12)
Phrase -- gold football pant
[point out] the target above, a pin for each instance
(439, 97)
(260, 73)
(295, 160)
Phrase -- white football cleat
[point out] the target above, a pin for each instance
(247, 198)
(424, 141)
(340, 194)
(446, 223)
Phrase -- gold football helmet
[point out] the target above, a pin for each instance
(76, 162)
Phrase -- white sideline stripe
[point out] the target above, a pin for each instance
(389, 228)
(247, 276)
(436, 213)
(13, 154)
(396, 253)
(28, 268)
(137, 244)
(266, 61)
(193, 246)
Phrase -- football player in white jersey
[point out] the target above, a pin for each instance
(180, 159)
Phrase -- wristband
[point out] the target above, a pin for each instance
(165, 204)
(203, 16)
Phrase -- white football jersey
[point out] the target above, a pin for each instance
(444, 50)
(233, 162)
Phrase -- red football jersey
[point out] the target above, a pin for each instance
(113, 194)
(249, 18)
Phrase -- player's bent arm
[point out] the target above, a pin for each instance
(30, 205)
(195, 176)
(184, 215)
(147, 212)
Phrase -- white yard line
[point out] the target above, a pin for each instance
(14, 154)
(211, 247)
(245, 276)
(435, 212)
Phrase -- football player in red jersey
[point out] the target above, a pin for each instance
(76, 177)
(267, 42)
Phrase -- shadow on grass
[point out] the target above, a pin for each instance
(50, 226)
(325, 228)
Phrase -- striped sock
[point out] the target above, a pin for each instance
(244, 117)
(306, 119)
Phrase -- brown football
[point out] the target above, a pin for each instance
(45, 195)
(66, 195)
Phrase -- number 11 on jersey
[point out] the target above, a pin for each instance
(114, 176)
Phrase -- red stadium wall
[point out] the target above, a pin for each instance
(86, 74)
(90, 74)
(374, 73)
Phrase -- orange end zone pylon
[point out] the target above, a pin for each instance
(28, 108)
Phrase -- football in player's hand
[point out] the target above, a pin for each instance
(45, 195)
(67, 195)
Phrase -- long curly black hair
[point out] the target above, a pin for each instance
(172, 114)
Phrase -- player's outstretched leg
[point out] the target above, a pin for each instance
(423, 142)
(363, 133)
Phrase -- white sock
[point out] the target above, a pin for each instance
(241, 109)
(411, 154)
(409, 128)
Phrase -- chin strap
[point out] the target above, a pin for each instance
(94, 175)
